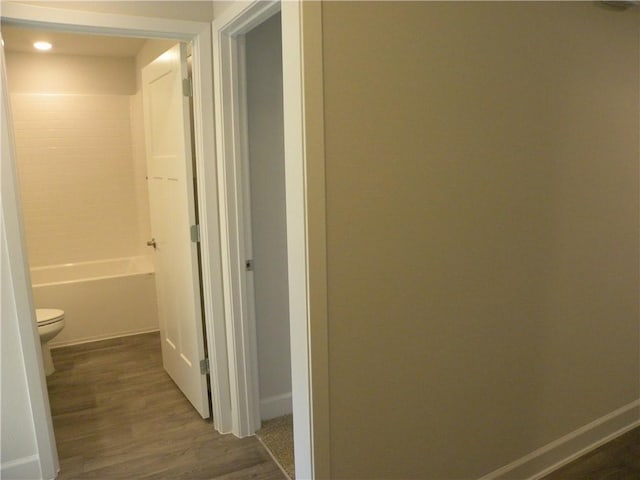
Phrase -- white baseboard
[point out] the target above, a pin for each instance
(26, 468)
(554, 455)
(276, 406)
(97, 338)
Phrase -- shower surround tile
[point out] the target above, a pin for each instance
(79, 179)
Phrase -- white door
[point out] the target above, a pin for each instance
(171, 199)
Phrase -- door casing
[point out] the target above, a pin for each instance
(305, 213)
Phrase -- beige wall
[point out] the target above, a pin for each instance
(482, 230)
(220, 6)
(200, 11)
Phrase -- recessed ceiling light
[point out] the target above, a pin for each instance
(43, 46)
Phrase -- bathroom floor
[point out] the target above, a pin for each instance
(117, 414)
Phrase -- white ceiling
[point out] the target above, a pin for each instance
(21, 40)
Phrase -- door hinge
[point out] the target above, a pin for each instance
(195, 233)
(204, 366)
(249, 265)
(187, 87)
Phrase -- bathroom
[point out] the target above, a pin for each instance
(80, 149)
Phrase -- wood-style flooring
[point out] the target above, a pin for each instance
(118, 415)
(617, 460)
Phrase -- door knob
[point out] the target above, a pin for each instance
(152, 243)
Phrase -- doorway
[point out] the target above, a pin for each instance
(93, 191)
(199, 34)
(266, 245)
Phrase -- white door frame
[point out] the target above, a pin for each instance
(200, 34)
(306, 244)
(231, 145)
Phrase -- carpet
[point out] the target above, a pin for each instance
(277, 436)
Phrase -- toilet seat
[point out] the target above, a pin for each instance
(45, 316)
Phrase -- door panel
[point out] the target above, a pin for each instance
(171, 201)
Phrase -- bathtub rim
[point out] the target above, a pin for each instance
(144, 267)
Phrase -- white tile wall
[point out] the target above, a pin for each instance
(80, 193)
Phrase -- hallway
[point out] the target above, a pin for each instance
(117, 414)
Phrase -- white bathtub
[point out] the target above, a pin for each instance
(101, 299)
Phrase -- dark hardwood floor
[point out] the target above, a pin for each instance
(118, 415)
(616, 460)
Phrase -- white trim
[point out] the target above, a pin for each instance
(296, 200)
(276, 406)
(230, 111)
(210, 230)
(23, 468)
(554, 455)
(200, 34)
(306, 235)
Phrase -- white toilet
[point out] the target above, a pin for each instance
(50, 323)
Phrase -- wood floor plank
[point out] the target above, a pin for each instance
(118, 415)
(616, 460)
